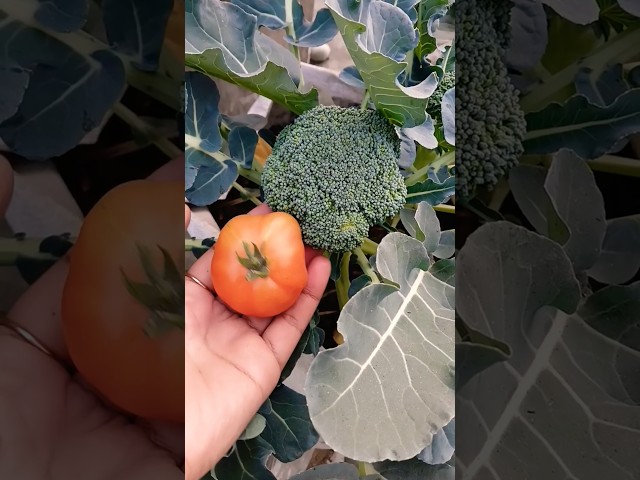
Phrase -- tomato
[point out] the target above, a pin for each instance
(6, 185)
(124, 324)
(258, 266)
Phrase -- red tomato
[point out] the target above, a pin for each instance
(124, 324)
(258, 266)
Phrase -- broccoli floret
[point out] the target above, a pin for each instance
(335, 170)
(490, 124)
(434, 108)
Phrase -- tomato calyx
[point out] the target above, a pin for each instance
(163, 295)
(255, 263)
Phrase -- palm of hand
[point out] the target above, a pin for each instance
(54, 427)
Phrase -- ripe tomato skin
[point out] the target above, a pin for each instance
(279, 239)
(103, 323)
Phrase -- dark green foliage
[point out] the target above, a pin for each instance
(335, 170)
(490, 124)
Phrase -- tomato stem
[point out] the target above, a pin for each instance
(255, 263)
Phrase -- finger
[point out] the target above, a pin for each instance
(261, 210)
(310, 254)
(285, 330)
(172, 170)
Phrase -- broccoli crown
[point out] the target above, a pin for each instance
(490, 124)
(335, 170)
(447, 82)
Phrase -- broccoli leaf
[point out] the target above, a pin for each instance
(619, 259)
(379, 36)
(289, 430)
(331, 471)
(429, 11)
(448, 108)
(558, 212)
(273, 15)
(568, 375)
(241, 54)
(581, 12)
(246, 461)
(587, 129)
(136, 28)
(62, 15)
(64, 71)
(410, 325)
(255, 427)
(14, 83)
(431, 191)
(441, 449)
(414, 469)
(208, 172)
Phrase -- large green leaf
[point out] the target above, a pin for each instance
(245, 462)
(379, 36)
(332, 471)
(289, 430)
(564, 403)
(620, 254)
(222, 40)
(556, 208)
(588, 129)
(428, 12)
(389, 388)
(414, 469)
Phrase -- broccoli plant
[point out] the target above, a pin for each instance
(369, 179)
(549, 277)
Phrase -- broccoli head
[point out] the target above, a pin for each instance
(447, 82)
(335, 170)
(490, 124)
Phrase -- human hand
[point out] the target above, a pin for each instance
(52, 424)
(232, 362)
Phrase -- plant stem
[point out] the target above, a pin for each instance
(250, 175)
(365, 100)
(342, 284)
(446, 159)
(291, 31)
(363, 261)
(13, 248)
(369, 247)
(612, 164)
(245, 194)
(445, 208)
(135, 122)
(191, 244)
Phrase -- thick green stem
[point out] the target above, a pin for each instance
(13, 248)
(245, 194)
(448, 158)
(135, 122)
(369, 247)
(365, 100)
(342, 284)
(250, 175)
(363, 261)
(291, 31)
(445, 208)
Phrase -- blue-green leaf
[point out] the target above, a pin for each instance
(331, 471)
(587, 129)
(424, 134)
(273, 15)
(242, 55)
(351, 76)
(619, 259)
(429, 11)
(245, 462)
(289, 430)
(208, 172)
(62, 15)
(14, 83)
(358, 284)
(242, 145)
(448, 109)
(442, 447)
(445, 270)
(432, 191)
(414, 469)
(62, 83)
(136, 28)
(379, 36)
